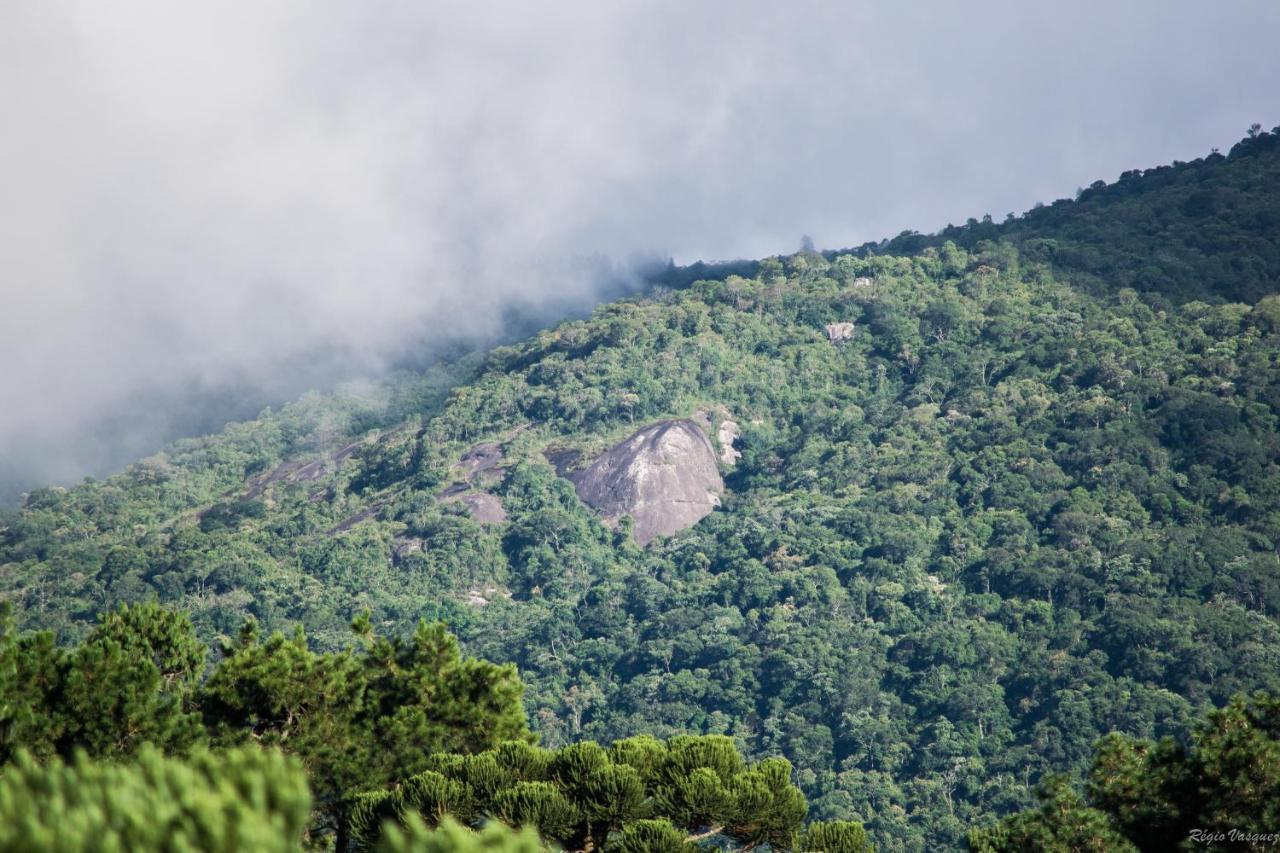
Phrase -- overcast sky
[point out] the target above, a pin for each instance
(196, 195)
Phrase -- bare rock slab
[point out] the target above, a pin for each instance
(482, 457)
(726, 436)
(837, 332)
(664, 476)
(482, 506)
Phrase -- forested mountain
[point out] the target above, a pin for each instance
(986, 496)
(1207, 230)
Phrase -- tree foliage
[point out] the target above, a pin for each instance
(1222, 789)
(226, 802)
(130, 681)
(414, 836)
(355, 717)
(638, 794)
(360, 717)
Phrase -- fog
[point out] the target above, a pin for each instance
(209, 206)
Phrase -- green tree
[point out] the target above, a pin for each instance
(835, 836)
(1063, 823)
(131, 681)
(451, 837)
(1156, 796)
(638, 794)
(360, 717)
(243, 799)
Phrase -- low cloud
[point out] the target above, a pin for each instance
(201, 198)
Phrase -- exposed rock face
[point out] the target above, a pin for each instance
(837, 332)
(562, 459)
(403, 547)
(482, 457)
(351, 521)
(664, 476)
(478, 597)
(483, 507)
(301, 471)
(726, 436)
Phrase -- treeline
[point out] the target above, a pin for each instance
(401, 747)
(169, 752)
(1204, 230)
(1219, 791)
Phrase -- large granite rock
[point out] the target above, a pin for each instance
(664, 476)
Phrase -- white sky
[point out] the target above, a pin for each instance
(194, 194)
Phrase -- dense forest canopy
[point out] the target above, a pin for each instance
(1025, 491)
(129, 740)
(1207, 230)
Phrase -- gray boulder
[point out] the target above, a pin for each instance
(726, 436)
(837, 332)
(664, 476)
(483, 507)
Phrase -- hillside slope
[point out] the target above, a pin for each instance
(1008, 511)
(1205, 230)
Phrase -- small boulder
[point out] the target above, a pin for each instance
(403, 547)
(483, 507)
(837, 332)
(726, 436)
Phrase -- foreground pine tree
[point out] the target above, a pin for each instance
(240, 800)
(363, 716)
(360, 717)
(639, 794)
(451, 837)
(131, 681)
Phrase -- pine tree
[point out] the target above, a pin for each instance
(360, 718)
(130, 682)
(243, 799)
(451, 837)
(639, 794)
(1156, 796)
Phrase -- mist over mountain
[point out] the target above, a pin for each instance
(208, 209)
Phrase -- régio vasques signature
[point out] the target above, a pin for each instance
(1214, 836)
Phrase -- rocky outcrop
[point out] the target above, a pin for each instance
(563, 459)
(301, 470)
(837, 332)
(480, 597)
(404, 547)
(482, 457)
(726, 436)
(480, 467)
(664, 476)
(482, 506)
